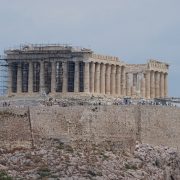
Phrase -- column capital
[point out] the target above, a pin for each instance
(87, 62)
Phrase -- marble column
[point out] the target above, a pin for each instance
(108, 73)
(65, 77)
(19, 78)
(113, 80)
(152, 85)
(147, 84)
(118, 80)
(102, 79)
(53, 77)
(162, 85)
(9, 79)
(92, 73)
(128, 86)
(123, 81)
(138, 85)
(135, 85)
(86, 77)
(157, 83)
(30, 78)
(133, 91)
(76, 78)
(42, 85)
(97, 78)
(165, 85)
(142, 87)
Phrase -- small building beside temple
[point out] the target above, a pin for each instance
(57, 69)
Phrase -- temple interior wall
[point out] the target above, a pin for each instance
(122, 125)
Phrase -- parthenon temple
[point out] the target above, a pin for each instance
(62, 69)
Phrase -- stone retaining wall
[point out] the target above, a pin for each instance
(99, 124)
(14, 128)
(160, 125)
(119, 126)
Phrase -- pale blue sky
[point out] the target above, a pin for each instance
(133, 30)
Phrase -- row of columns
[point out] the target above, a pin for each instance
(147, 85)
(157, 84)
(102, 78)
(99, 78)
(42, 77)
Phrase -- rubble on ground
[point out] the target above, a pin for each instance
(55, 161)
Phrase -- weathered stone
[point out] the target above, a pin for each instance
(70, 70)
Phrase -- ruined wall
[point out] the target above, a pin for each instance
(14, 127)
(160, 125)
(120, 126)
(148, 124)
(99, 124)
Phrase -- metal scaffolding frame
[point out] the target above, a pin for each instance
(21, 57)
(24, 76)
(3, 77)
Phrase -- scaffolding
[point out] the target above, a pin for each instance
(3, 77)
(5, 68)
(20, 69)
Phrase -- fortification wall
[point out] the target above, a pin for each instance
(100, 124)
(119, 126)
(14, 127)
(160, 125)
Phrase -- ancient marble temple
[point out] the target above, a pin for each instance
(58, 69)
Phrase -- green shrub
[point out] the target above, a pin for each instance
(4, 176)
(128, 166)
(69, 149)
(60, 145)
(44, 172)
(92, 173)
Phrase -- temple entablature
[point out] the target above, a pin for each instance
(102, 59)
(158, 66)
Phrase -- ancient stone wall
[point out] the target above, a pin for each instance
(99, 124)
(160, 125)
(119, 125)
(14, 128)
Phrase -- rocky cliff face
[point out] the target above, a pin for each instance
(56, 160)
